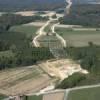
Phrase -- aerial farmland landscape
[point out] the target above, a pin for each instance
(49, 49)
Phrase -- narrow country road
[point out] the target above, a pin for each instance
(66, 94)
(67, 10)
(63, 41)
(39, 33)
(66, 91)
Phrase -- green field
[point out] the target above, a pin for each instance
(50, 41)
(28, 30)
(6, 54)
(19, 35)
(48, 28)
(21, 46)
(34, 97)
(79, 37)
(2, 97)
(85, 94)
(14, 38)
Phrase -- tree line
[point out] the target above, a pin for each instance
(85, 15)
(15, 48)
(8, 20)
(89, 59)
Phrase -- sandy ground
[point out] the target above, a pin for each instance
(48, 13)
(26, 13)
(32, 13)
(75, 27)
(62, 68)
(68, 26)
(23, 80)
(54, 96)
(85, 29)
(37, 24)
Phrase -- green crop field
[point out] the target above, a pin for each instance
(50, 41)
(85, 94)
(79, 37)
(47, 29)
(40, 97)
(2, 97)
(13, 38)
(21, 47)
(28, 30)
(8, 53)
(18, 34)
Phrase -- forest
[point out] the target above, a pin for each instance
(16, 48)
(89, 59)
(85, 15)
(8, 20)
(17, 5)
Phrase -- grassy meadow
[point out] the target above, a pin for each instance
(28, 30)
(34, 97)
(85, 94)
(79, 37)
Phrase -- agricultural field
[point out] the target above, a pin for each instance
(6, 54)
(2, 97)
(14, 38)
(79, 37)
(58, 95)
(28, 30)
(34, 97)
(48, 28)
(54, 96)
(26, 13)
(19, 46)
(23, 80)
(85, 94)
(49, 41)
